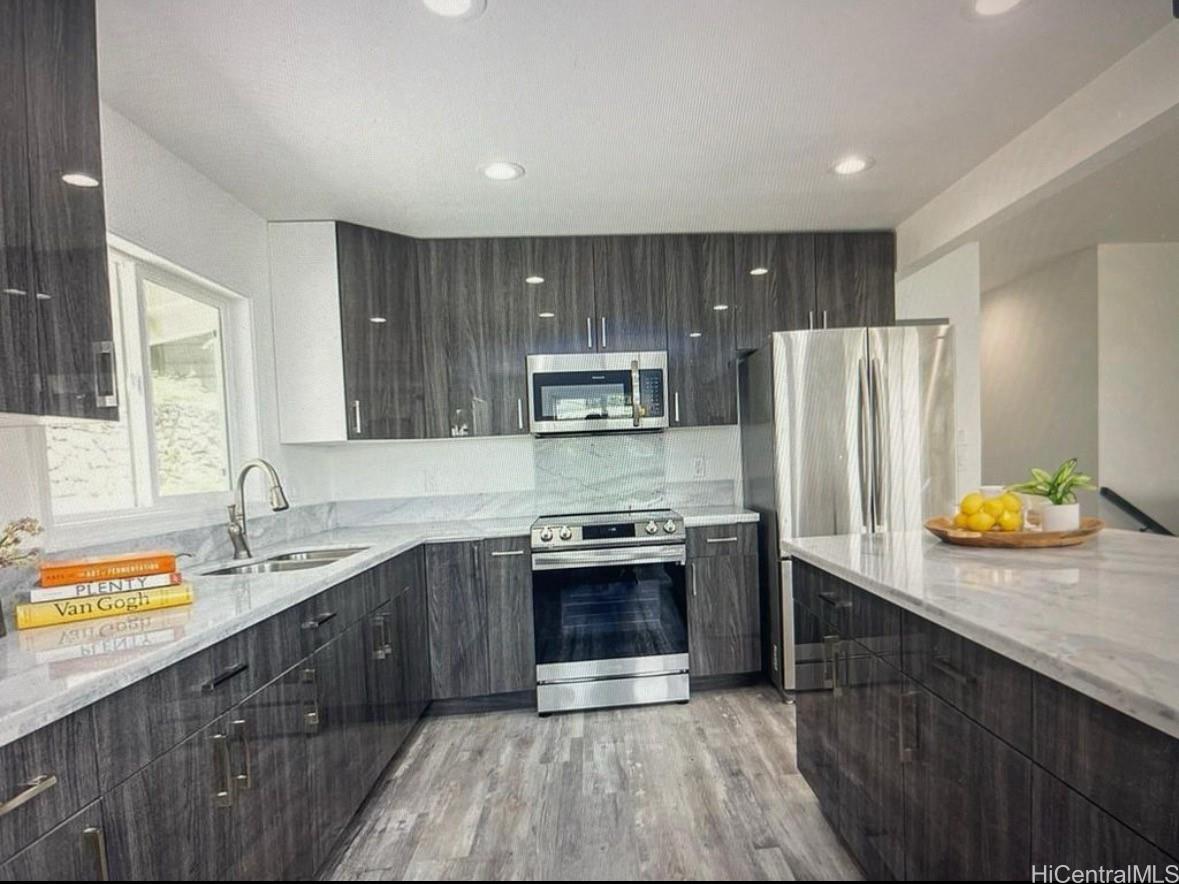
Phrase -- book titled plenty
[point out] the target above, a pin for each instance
(33, 614)
(114, 567)
(102, 587)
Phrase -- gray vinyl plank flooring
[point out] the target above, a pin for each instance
(708, 790)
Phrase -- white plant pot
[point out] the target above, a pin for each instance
(1062, 517)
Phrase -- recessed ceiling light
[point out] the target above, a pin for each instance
(79, 179)
(695, 334)
(546, 315)
(502, 171)
(720, 307)
(759, 271)
(456, 9)
(852, 165)
(989, 8)
(534, 280)
(377, 320)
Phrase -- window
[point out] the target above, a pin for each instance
(174, 438)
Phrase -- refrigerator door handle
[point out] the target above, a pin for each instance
(877, 405)
(864, 445)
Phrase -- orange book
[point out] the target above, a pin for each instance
(139, 564)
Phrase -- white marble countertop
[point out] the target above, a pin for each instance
(43, 677)
(1102, 618)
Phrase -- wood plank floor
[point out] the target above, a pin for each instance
(705, 790)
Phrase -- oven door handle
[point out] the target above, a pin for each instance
(595, 558)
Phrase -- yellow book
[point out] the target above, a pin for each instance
(34, 614)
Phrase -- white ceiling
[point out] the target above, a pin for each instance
(1134, 199)
(630, 115)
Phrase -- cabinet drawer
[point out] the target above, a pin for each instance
(74, 851)
(850, 612)
(1120, 764)
(392, 578)
(44, 778)
(993, 690)
(722, 540)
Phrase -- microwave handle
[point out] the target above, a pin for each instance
(635, 399)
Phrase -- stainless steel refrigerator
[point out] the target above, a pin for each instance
(843, 431)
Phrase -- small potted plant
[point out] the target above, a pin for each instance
(1059, 489)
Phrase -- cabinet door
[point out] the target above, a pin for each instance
(967, 801)
(871, 789)
(411, 629)
(339, 747)
(268, 758)
(385, 685)
(630, 290)
(74, 851)
(382, 334)
(73, 296)
(855, 279)
(782, 298)
(19, 364)
(507, 582)
(724, 622)
(458, 621)
(561, 309)
(815, 715)
(174, 819)
(702, 369)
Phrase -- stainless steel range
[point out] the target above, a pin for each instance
(609, 602)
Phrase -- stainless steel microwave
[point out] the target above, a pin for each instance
(597, 392)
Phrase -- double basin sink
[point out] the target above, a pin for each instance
(300, 560)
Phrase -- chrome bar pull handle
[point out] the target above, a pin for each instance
(909, 736)
(604, 346)
(356, 426)
(93, 839)
(318, 620)
(810, 318)
(824, 319)
(106, 378)
(242, 778)
(31, 790)
(589, 333)
(519, 413)
(222, 772)
(499, 553)
(676, 400)
(223, 676)
(730, 539)
(310, 706)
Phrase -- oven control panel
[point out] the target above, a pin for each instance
(621, 529)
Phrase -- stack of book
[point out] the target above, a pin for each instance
(103, 587)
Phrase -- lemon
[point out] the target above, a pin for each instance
(971, 503)
(993, 507)
(1010, 521)
(981, 522)
(1011, 502)
(961, 520)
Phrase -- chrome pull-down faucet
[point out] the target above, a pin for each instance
(237, 509)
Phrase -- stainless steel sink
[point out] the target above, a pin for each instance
(333, 554)
(270, 567)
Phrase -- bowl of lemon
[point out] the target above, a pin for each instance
(997, 520)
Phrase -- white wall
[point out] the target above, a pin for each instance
(1039, 358)
(1138, 377)
(949, 288)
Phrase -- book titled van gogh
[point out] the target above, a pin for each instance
(114, 567)
(33, 614)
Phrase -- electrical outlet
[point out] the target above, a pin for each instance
(700, 467)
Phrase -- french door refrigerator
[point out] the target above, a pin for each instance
(843, 431)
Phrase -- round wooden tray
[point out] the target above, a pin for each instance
(943, 528)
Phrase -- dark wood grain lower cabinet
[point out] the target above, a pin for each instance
(458, 621)
(815, 715)
(967, 796)
(724, 615)
(74, 851)
(507, 584)
(1068, 828)
(339, 748)
(867, 693)
(174, 819)
(411, 631)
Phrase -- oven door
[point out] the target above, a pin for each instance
(609, 613)
(585, 393)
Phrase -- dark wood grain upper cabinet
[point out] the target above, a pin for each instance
(471, 289)
(630, 291)
(68, 223)
(20, 374)
(855, 279)
(507, 582)
(774, 285)
(560, 296)
(702, 370)
(380, 317)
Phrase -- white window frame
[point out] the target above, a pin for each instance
(130, 268)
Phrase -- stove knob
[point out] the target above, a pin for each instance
(546, 534)
(566, 532)
(669, 526)
(652, 528)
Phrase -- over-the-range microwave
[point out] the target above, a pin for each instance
(597, 392)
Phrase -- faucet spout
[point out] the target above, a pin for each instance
(237, 509)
